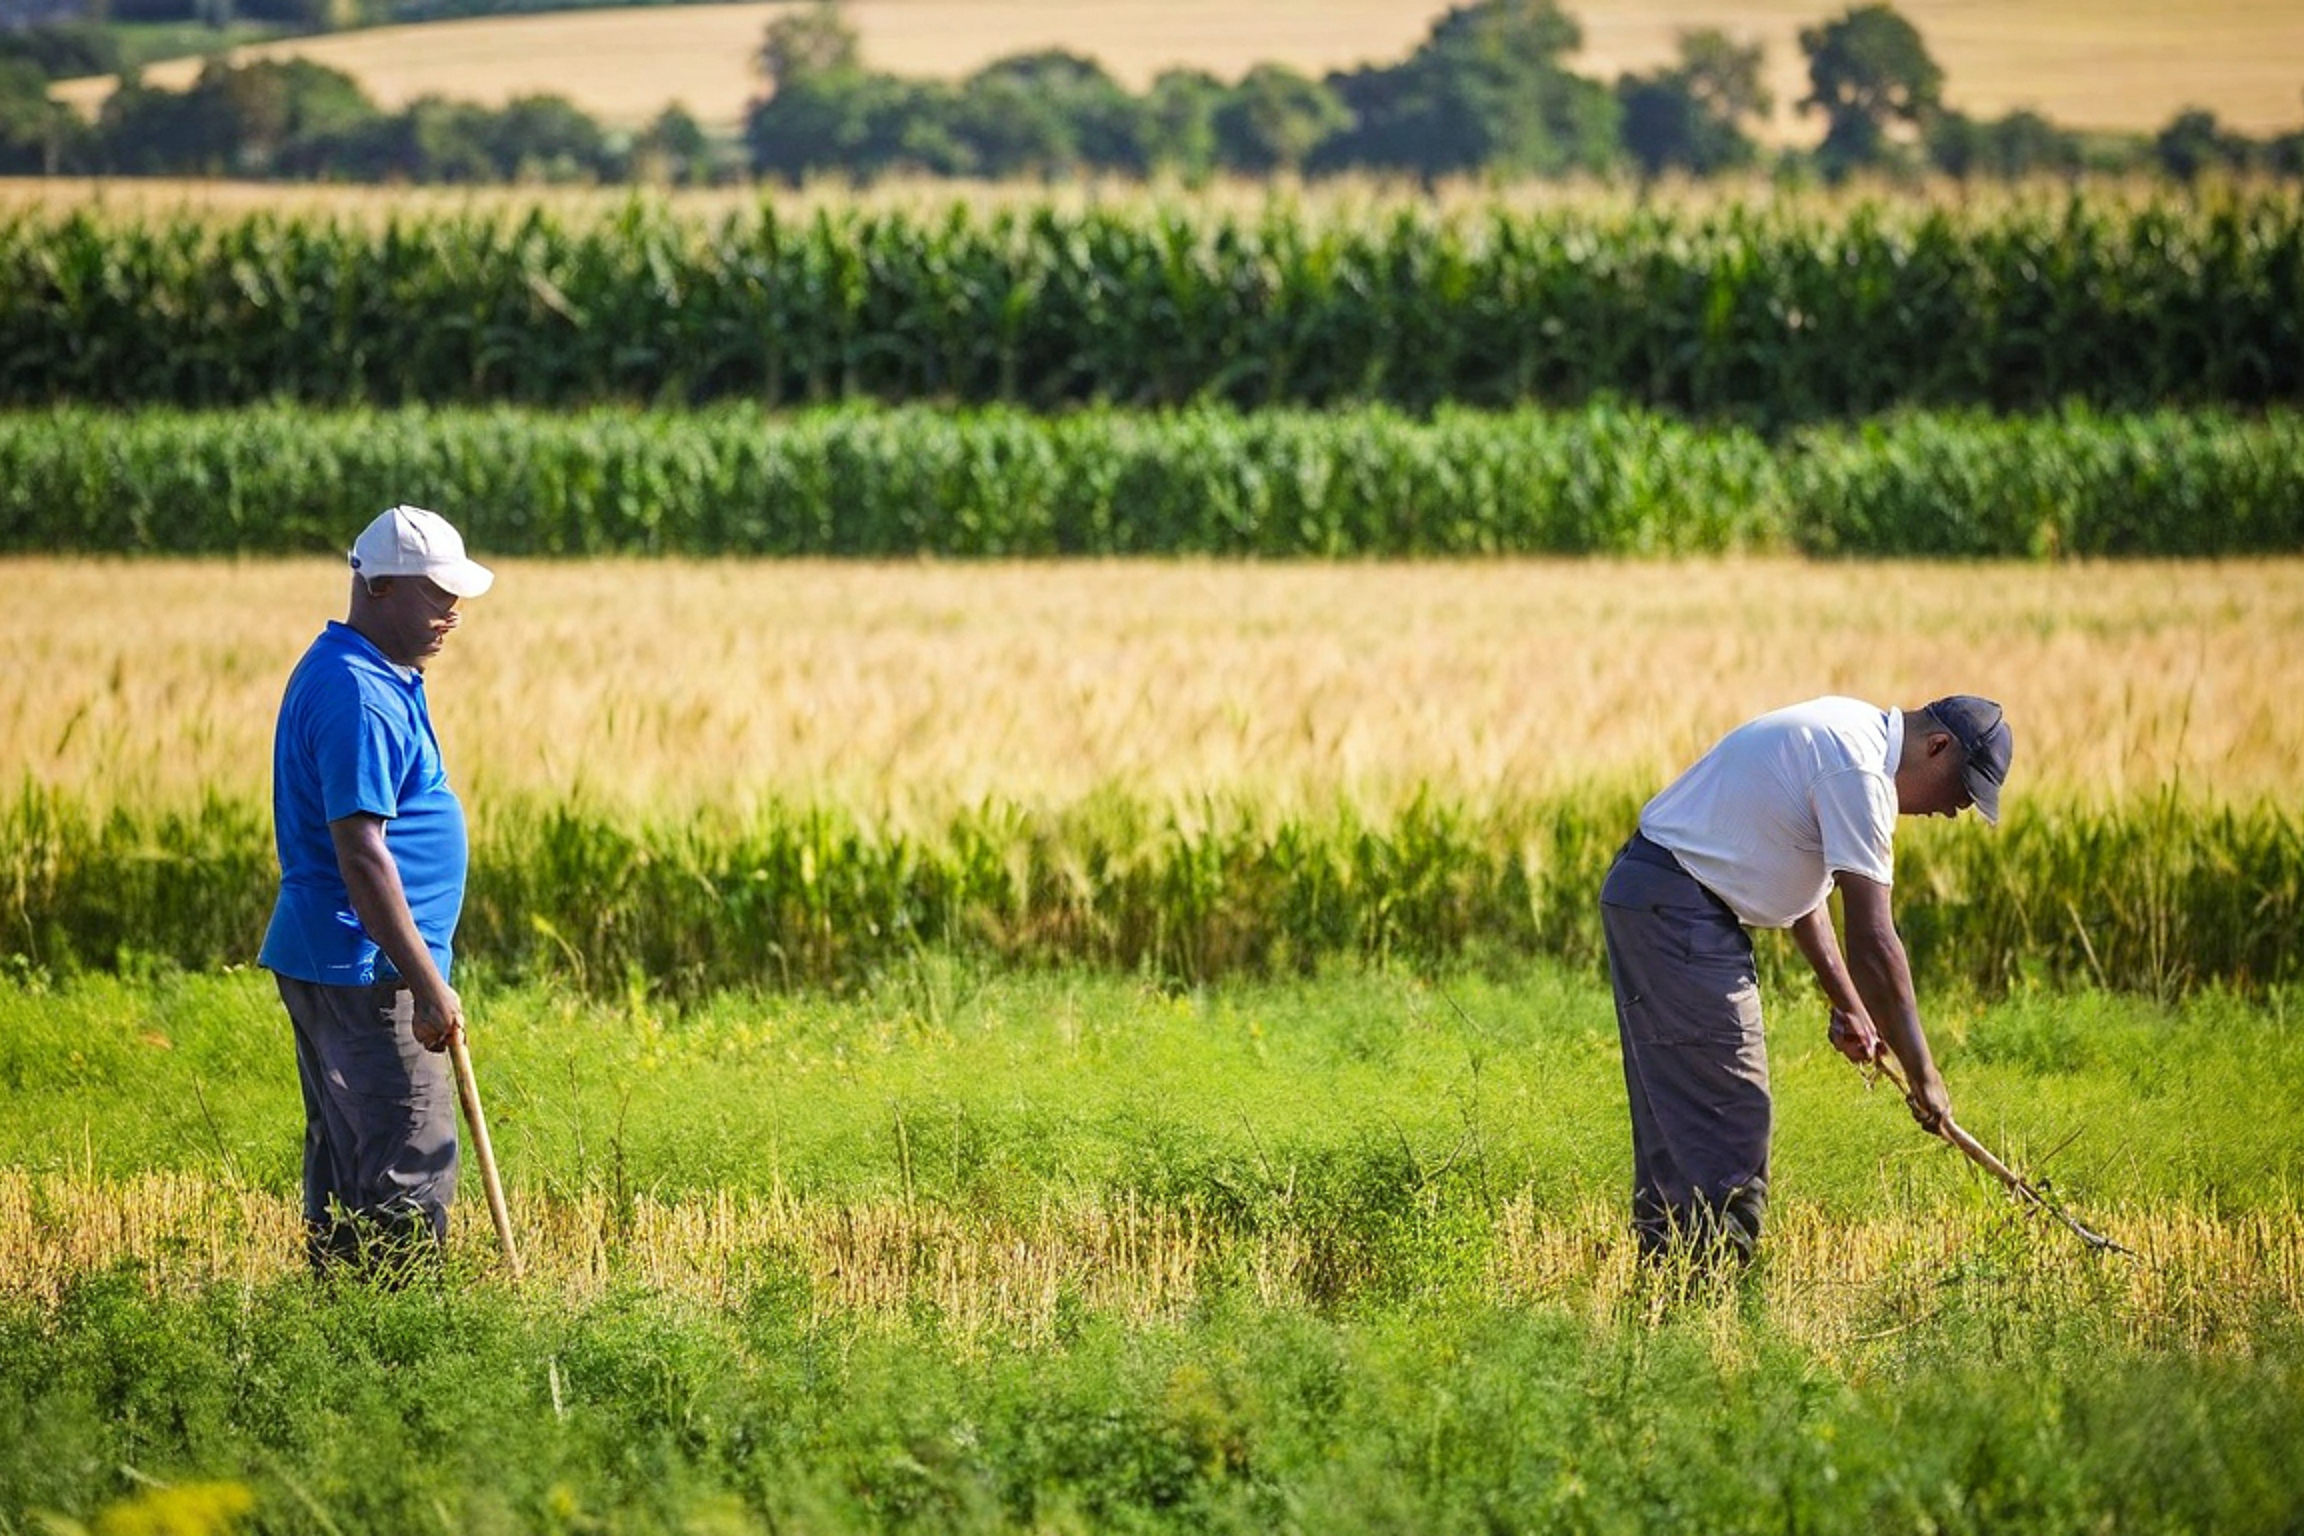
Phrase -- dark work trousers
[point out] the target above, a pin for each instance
(379, 1125)
(1695, 1065)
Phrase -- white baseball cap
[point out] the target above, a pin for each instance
(409, 541)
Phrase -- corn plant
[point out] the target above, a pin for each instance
(2161, 896)
(1361, 482)
(1778, 314)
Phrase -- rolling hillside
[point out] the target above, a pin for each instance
(2127, 64)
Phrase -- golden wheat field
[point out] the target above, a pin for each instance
(924, 686)
(2123, 64)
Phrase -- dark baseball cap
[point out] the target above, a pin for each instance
(1982, 731)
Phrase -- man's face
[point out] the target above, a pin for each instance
(1936, 785)
(413, 617)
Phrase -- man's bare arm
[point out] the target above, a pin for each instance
(1883, 977)
(1852, 1032)
(381, 904)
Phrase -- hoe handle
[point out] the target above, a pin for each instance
(1951, 1131)
(468, 1093)
(1981, 1155)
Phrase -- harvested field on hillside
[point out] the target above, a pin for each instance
(2123, 64)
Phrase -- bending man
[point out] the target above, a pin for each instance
(372, 856)
(1758, 833)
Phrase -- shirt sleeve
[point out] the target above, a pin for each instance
(358, 756)
(1856, 815)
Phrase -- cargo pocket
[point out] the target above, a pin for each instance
(1712, 941)
(1702, 990)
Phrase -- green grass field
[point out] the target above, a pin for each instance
(973, 1249)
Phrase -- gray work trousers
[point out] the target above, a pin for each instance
(1695, 1063)
(379, 1124)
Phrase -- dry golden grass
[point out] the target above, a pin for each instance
(1346, 198)
(920, 687)
(2127, 64)
(1352, 201)
(2201, 1282)
(2198, 1281)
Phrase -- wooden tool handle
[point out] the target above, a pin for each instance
(1982, 1157)
(468, 1093)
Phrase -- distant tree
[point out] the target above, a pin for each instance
(1486, 90)
(65, 49)
(157, 10)
(1692, 117)
(1273, 120)
(825, 111)
(1726, 77)
(809, 44)
(36, 15)
(1008, 128)
(1180, 122)
(34, 131)
(2009, 148)
(146, 132)
(857, 123)
(449, 141)
(917, 128)
(2284, 155)
(267, 117)
(547, 138)
(381, 148)
(673, 149)
(431, 139)
(2194, 143)
(810, 120)
(1049, 113)
(276, 106)
(1870, 75)
(301, 15)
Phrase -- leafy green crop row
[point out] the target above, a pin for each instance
(2157, 896)
(732, 479)
(1770, 315)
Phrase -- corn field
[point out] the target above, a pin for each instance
(1347, 483)
(1770, 315)
(2161, 898)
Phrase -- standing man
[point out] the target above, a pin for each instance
(1759, 833)
(372, 855)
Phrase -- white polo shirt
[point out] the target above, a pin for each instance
(1783, 803)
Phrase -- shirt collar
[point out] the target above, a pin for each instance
(1895, 740)
(352, 639)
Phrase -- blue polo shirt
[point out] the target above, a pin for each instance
(354, 736)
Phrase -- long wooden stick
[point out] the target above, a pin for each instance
(468, 1092)
(2017, 1184)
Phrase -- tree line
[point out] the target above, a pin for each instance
(1487, 92)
